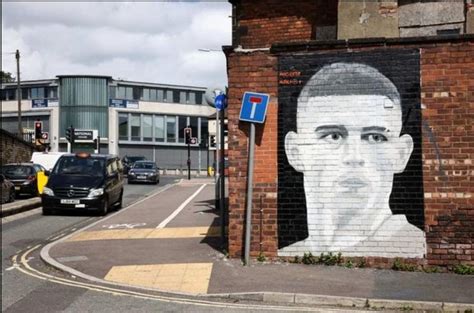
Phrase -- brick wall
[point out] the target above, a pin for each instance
(14, 149)
(448, 152)
(257, 72)
(261, 23)
(447, 92)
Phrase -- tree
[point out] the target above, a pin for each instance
(7, 77)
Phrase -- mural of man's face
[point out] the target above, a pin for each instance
(348, 148)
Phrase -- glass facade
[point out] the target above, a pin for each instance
(156, 94)
(84, 104)
(47, 92)
(146, 128)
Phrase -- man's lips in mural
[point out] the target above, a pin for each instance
(353, 182)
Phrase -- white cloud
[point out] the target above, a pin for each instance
(155, 42)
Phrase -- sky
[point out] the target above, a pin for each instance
(137, 41)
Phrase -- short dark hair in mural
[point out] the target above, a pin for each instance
(388, 143)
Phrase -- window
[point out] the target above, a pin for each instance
(37, 93)
(146, 94)
(137, 93)
(204, 129)
(52, 92)
(183, 97)
(171, 129)
(3, 95)
(25, 93)
(168, 97)
(198, 97)
(121, 92)
(191, 97)
(113, 92)
(153, 95)
(176, 96)
(182, 124)
(193, 122)
(159, 128)
(159, 95)
(123, 126)
(135, 127)
(147, 127)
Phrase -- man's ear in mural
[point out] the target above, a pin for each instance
(405, 148)
(293, 152)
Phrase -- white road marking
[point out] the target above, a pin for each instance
(124, 226)
(180, 208)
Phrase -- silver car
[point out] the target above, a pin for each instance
(144, 172)
(8, 190)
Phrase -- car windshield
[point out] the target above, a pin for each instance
(144, 165)
(133, 159)
(80, 166)
(17, 171)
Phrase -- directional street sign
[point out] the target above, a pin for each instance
(220, 102)
(254, 107)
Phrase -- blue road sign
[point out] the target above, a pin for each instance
(254, 107)
(220, 102)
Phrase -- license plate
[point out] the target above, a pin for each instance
(80, 205)
(17, 188)
(70, 201)
(141, 177)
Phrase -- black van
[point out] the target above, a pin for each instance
(83, 181)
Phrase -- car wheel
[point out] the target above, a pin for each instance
(120, 202)
(104, 208)
(47, 211)
(11, 195)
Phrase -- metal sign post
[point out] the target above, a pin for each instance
(221, 103)
(187, 139)
(253, 110)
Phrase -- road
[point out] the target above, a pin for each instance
(25, 290)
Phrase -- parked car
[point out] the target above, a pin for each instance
(128, 162)
(144, 171)
(83, 181)
(24, 176)
(8, 190)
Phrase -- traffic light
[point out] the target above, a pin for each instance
(187, 135)
(70, 134)
(212, 141)
(38, 129)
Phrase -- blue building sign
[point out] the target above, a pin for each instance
(254, 107)
(39, 103)
(124, 104)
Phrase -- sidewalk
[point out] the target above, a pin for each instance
(170, 242)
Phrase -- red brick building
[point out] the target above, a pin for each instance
(282, 48)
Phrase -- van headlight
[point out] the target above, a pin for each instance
(48, 191)
(96, 192)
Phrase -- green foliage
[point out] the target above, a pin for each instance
(432, 269)
(349, 264)
(308, 258)
(399, 265)
(261, 257)
(464, 269)
(7, 77)
(362, 263)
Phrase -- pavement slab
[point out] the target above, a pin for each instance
(185, 256)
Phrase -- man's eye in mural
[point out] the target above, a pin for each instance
(373, 138)
(331, 133)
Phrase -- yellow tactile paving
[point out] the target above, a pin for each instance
(184, 277)
(148, 233)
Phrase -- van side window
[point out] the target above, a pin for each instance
(120, 165)
(109, 169)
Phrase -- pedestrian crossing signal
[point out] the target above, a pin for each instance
(38, 129)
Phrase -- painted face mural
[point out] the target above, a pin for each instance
(348, 145)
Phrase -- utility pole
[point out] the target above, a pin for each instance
(20, 128)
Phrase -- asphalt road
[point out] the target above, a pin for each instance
(30, 291)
